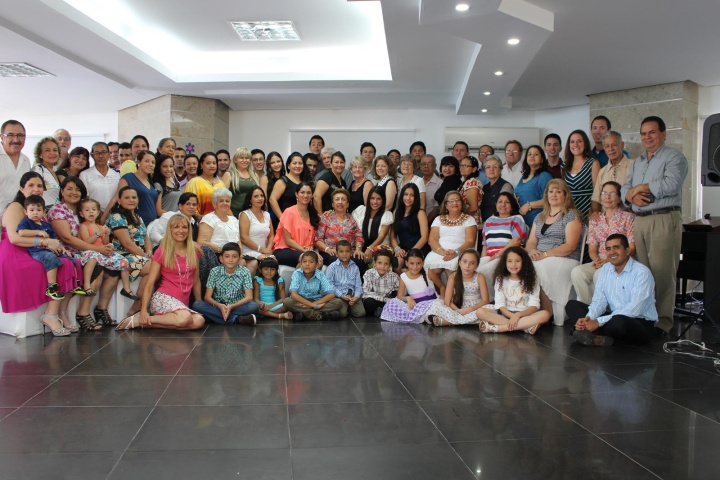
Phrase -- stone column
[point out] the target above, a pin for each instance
(677, 105)
(200, 124)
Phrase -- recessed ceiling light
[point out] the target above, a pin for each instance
(487, 93)
(484, 110)
(513, 41)
(462, 7)
(22, 70)
(269, 31)
(499, 73)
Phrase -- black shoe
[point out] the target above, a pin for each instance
(246, 320)
(128, 294)
(298, 317)
(334, 315)
(589, 339)
(378, 311)
(660, 333)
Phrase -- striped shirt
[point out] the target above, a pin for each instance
(630, 293)
(498, 232)
(313, 289)
(379, 287)
(344, 278)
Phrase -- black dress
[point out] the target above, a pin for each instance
(356, 197)
(490, 196)
(452, 182)
(334, 183)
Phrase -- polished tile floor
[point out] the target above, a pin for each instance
(353, 399)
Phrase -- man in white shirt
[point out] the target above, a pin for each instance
(512, 172)
(13, 163)
(101, 181)
(432, 183)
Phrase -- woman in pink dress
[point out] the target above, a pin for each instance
(175, 264)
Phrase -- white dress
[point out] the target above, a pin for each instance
(387, 219)
(450, 239)
(258, 232)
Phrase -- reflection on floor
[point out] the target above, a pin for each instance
(353, 399)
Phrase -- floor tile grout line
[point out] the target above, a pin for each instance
(287, 403)
(417, 402)
(152, 409)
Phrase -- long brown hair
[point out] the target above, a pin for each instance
(459, 288)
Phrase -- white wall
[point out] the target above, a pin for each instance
(84, 128)
(270, 129)
(709, 104)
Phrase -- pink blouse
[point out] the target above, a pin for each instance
(621, 222)
(60, 211)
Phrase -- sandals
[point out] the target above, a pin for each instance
(128, 322)
(129, 294)
(87, 323)
(440, 322)
(532, 330)
(487, 327)
(58, 332)
(85, 292)
(103, 316)
(72, 328)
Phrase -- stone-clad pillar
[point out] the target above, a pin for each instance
(677, 105)
(202, 123)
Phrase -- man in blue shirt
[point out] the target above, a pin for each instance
(653, 189)
(626, 289)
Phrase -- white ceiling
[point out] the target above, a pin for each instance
(437, 58)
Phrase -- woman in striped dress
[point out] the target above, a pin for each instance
(581, 170)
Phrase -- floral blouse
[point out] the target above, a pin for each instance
(331, 230)
(60, 211)
(598, 230)
(469, 185)
(138, 233)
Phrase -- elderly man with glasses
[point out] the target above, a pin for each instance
(512, 172)
(13, 163)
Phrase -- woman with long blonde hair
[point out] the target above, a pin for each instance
(175, 264)
(240, 178)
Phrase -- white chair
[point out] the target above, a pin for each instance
(22, 324)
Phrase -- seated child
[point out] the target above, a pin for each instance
(99, 235)
(229, 294)
(415, 293)
(344, 275)
(269, 289)
(379, 283)
(311, 295)
(517, 296)
(33, 225)
(466, 292)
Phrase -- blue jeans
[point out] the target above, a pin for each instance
(49, 259)
(213, 313)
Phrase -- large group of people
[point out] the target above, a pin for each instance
(471, 240)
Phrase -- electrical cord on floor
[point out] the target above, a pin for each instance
(696, 350)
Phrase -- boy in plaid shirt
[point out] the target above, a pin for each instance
(379, 283)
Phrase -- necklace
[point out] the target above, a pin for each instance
(445, 220)
(185, 286)
(554, 214)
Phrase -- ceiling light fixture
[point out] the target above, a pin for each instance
(484, 110)
(22, 70)
(487, 93)
(462, 7)
(499, 73)
(266, 31)
(513, 41)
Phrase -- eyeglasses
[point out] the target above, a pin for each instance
(483, 154)
(453, 201)
(19, 136)
(608, 194)
(512, 152)
(492, 167)
(103, 152)
(426, 164)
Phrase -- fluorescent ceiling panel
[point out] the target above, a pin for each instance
(160, 47)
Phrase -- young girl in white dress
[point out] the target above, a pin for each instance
(466, 292)
(517, 296)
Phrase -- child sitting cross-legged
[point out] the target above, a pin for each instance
(517, 296)
(229, 293)
(311, 295)
(344, 275)
(270, 290)
(380, 283)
